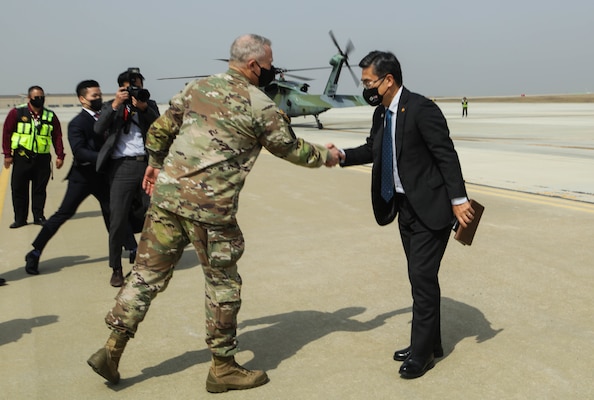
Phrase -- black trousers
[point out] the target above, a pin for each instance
(33, 172)
(125, 179)
(424, 249)
(76, 193)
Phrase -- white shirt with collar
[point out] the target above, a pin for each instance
(92, 113)
(394, 108)
(130, 144)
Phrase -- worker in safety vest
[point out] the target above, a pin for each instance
(29, 132)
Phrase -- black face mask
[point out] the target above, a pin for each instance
(266, 75)
(37, 101)
(96, 104)
(372, 97)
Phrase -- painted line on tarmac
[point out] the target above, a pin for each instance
(3, 187)
(534, 198)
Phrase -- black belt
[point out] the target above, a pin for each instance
(25, 153)
(134, 158)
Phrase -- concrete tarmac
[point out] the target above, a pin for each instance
(326, 298)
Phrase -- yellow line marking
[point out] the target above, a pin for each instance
(535, 198)
(3, 187)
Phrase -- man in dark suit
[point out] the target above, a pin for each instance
(418, 177)
(82, 178)
(124, 121)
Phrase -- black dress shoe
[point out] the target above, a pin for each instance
(414, 368)
(39, 221)
(15, 224)
(132, 256)
(32, 266)
(117, 278)
(401, 355)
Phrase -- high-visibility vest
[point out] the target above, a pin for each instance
(35, 136)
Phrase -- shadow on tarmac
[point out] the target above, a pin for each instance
(285, 334)
(51, 266)
(13, 330)
(460, 321)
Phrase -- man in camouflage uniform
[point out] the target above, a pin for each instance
(201, 151)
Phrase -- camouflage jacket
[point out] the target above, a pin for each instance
(208, 140)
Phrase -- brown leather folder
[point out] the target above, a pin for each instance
(465, 235)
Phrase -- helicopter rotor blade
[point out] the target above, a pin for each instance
(302, 78)
(302, 69)
(335, 42)
(183, 77)
(277, 71)
(352, 74)
(349, 48)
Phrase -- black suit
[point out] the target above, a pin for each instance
(124, 173)
(83, 180)
(431, 176)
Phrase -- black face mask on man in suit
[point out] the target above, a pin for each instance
(372, 95)
(96, 104)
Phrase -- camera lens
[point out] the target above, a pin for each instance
(143, 95)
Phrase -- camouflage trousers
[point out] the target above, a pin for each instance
(162, 242)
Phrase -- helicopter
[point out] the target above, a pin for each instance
(292, 97)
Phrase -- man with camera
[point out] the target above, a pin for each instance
(124, 121)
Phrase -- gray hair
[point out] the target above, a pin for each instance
(247, 47)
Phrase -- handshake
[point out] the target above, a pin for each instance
(335, 155)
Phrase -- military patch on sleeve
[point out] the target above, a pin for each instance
(284, 115)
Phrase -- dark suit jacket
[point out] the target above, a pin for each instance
(111, 123)
(428, 165)
(85, 145)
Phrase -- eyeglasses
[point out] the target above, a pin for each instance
(367, 84)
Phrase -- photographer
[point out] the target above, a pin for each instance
(124, 121)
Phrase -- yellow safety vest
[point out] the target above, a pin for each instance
(35, 136)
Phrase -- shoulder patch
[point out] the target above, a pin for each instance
(284, 115)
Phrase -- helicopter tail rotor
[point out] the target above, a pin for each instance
(348, 49)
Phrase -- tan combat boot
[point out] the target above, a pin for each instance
(106, 360)
(225, 374)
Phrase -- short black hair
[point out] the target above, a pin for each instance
(35, 87)
(81, 88)
(383, 63)
(126, 76)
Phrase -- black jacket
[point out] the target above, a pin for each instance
(428, 164)
(85, 145)
(112, 123)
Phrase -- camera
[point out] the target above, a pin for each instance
(135, 91)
